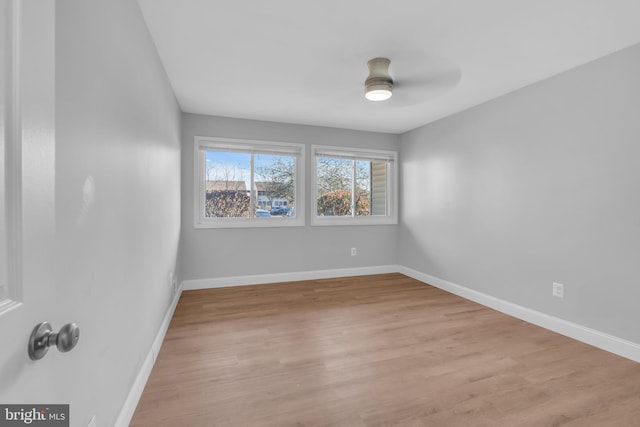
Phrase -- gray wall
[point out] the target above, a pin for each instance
(215, 253)
(535, 187)
(117, 199)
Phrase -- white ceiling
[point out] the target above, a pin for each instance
(304, 61)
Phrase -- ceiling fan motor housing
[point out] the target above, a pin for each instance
(379, 78)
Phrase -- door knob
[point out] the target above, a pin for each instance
(43, 337)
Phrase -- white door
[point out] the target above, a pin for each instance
(28, 292)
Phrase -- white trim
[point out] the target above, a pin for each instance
(259, 279)
(131, 402)
(12, 161)
(353, 153)
(274, 221)
(604, 341)
(350, 220)
(249, 145)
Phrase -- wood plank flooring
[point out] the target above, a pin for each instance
(373, 351)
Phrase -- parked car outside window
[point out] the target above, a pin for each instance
(279, 210)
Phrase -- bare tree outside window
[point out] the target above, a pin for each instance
(343, 184)
(275, 181)
(225, 188)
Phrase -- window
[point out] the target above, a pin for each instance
(353, 186)
(243, 183)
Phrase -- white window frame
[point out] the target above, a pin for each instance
(356, 154)
(204, 143)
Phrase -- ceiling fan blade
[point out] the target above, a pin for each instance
(419, 78)
(425, 88)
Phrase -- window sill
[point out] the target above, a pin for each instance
(331, 221)
(250, 223)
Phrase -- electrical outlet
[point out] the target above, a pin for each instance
(354, 251)
(558, 290)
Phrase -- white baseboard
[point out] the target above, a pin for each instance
(613, 344)
(131, 402)
(257, 279)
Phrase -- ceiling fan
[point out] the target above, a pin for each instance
(421, 78)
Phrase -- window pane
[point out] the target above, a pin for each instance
(363, 188)
(227, 176)
(334, 182)
(274, 189)
(379, 179)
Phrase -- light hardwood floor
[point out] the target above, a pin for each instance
(383, 350)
